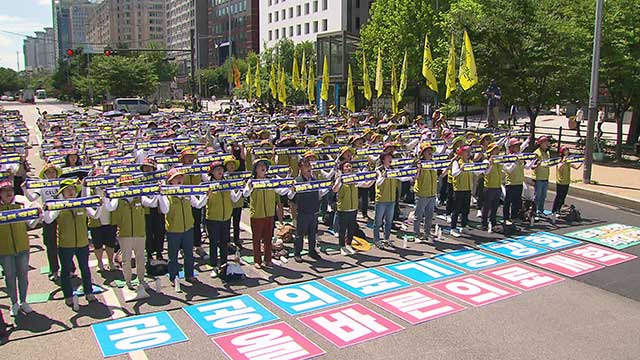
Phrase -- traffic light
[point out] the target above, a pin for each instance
(109, 52)
(70, 52)
(73, 52)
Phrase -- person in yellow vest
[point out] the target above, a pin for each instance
(447, 183)
(264, 204)
(14, 251)
(425, 188)
(231, 165)
(563, 179)
(485, 140)
(49, 237)
(128, 214)
(541, 173)
(179, 225)
(492, 188)
(462, 184)
(386, 193)
(103, 231)
(187, 157)
(154, 221)
(218, 221)
(73, 240)
(514, 178)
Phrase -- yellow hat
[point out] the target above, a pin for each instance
(360, 244)
(426, 145)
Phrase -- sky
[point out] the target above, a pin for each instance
(23, 17)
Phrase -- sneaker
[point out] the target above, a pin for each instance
(15, 309)
(55, 277)
(142, 293)
(344, 251)
(26, 307)
(68, 301)
(455, 233)
(130, 285)
(191, 279)
(351, 250)
(91, 298)
(144, 285)
(479, 213)
(332, 232)
(379, 245)
(214, 272)
(553, 218)
(202, 253)
(257, 266)
(297, 258)
(314, 255)
(490, 228)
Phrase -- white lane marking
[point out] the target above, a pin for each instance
(112, 301)
(138, 355)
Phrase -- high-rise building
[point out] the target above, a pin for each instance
(244, 17)
(79, 20)
(182, 17)
(303, 20)
(39, 53)
(127, 24)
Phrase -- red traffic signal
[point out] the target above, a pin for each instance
(70, 52)
(109, 52)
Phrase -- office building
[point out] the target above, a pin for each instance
(38, 50)
(244, 33)
(182, 17)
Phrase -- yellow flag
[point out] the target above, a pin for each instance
(394, 89)
(311, 84)
(257, 80)
(365, 78)
(403, 78)
(324, 93)
(427, 66)
(295, 75)
(303, 74)
(272, 82)
(248, 83)
(236, 76)
(282, 91)
(451, 69)
(379, 81)
(468, 73)
(351, 97)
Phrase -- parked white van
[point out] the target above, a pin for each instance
(132, 105)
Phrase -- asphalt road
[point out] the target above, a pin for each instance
(593, 316)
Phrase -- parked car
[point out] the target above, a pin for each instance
(132, 105)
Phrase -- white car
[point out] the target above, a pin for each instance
(4, 98)
(132, 105)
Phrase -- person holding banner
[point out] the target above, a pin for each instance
(563, 179)
(49, 231)
(218, 220)
(187, 157)
(308, 205)
(231, 165)
(128, 214)
(484, 140)
(514, 179)
(14, 250)
(103, 231)
(73, 239)
(425, 188)
(462, 184)
(264, 204)
(492, 188)
(154, 221)
(541, 173)
(386, 194)
(179, 225)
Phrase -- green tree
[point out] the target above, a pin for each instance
(620, 64)
(9, 80)
(164, 69)
(119, 76)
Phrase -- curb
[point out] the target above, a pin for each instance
(597, 196)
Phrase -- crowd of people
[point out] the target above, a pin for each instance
(141, 187)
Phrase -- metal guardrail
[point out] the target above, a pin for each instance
(570, 137)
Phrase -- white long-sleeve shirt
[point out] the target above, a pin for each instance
(51, 215)
(196, 202)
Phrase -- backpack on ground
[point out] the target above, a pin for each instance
(570, 214)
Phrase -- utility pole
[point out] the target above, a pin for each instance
(230, 51)
(194, 101)
(593, 100)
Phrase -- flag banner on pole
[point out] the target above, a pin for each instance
(18, 215)
(403, 78)
(435, 164)
(272, 82)
(257, 80)
(324, 93)
(400, 173)
(32, 183)
(379, 80)
(311, 84)
(303, 74)
(427, 66)
(264, 184)
(451, 68)
(80, 202)
(313, 186)
(359, 177)
(295, 75)
(132, 191)
(351, 97)
(369, 151)
(183, 190)
(365, 79)
(468, 72)
(96, 181)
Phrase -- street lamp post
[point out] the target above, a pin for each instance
(593, 96)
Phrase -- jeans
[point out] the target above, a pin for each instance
(450, 198)
(66, 258)
(462, 202)
(561, 195)
(16, 269)
(540, 195)
(479, 191)
(384, 211)
(177, 241)
(424, 210)
(219, 237)
(50, 239)
(512, 202)
(236, 215)
(155, 232)
(197, 226)
(363, 195)
(490, 206)
(348, 227)
(307, 225)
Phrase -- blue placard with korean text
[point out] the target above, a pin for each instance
(304, 297)
(549, 240)
(424, 271)
(367, 282)
(470, 260)
(514, 249)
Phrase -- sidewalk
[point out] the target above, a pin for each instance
(612, 185)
